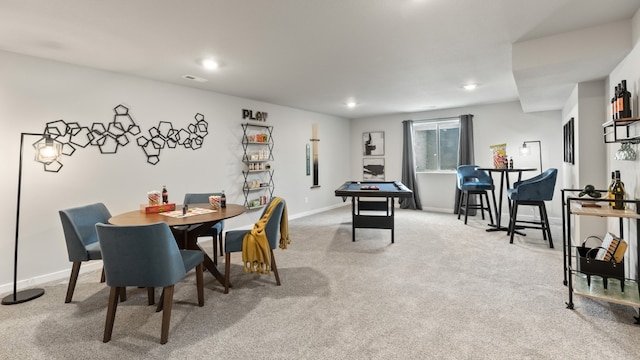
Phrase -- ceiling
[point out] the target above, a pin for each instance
(389, 56)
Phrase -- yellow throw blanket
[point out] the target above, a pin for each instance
(256, 252)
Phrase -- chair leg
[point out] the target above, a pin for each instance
(512, 222)
(75, 270)
(151, 294)
(166, 313)
(215, 252)
(542, 222)
(548, 227)
(220, 243)
(274, 267)
(102, 277)
(460, 204)
(161, 302)
(466, 209)
(111, 313)
(227, 268)
(200, 283)
(482, 208)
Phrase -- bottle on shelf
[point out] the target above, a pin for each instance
(165, 195)
(610, 195)
(614, 104)
(618, 192)
(223, 200)
(625, 101)
(511, 162)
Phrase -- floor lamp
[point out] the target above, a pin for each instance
(48, 150)
(524, 150)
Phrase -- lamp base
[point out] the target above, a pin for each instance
(22, 296)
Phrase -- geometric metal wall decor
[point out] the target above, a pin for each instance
(119, 132)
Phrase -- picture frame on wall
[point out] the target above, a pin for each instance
(373, 169)
(568, 142)
(373, 143)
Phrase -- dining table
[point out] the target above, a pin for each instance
(504, 180)
(185, 228)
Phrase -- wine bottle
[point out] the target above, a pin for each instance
(610, 195)
(626, 100)
(618, 193)
(619, 101)
(614, 104)
(223, 200)
(165, 195)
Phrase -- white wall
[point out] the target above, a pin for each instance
(493, 124)
(630, 170)
(35, 91)
(587, 106)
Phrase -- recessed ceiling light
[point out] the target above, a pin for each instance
(351, 104)
(470, 86)
(209, 64)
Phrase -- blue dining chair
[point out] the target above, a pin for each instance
(146, 256)
(533, 192)
(472, 181)
(79, 226)
(233, 240)
(217, 229)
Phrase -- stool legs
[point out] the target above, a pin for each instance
(484, 204)
(542, 225)
(512, 221)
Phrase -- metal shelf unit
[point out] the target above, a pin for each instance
(256, 157)
(611, 134)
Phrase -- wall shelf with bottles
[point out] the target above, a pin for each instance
(612, 129)
(257, 145)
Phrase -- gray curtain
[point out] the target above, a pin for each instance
(409, 168)
(465, 153)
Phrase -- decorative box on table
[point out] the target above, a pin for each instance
(154, 209)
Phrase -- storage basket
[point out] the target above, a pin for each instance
(587, 264)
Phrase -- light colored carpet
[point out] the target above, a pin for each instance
(442, 291)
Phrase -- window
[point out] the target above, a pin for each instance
(435, 145)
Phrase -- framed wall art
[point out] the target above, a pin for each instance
(373, 143)
(568, 142)
(373, 169)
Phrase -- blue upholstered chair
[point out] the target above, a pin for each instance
(472, 181)
(79, 226)
(533, 192)
(217, 229)
(233, 241)
(146, 256)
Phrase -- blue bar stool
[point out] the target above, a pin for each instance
(533, 192)
(472, 181)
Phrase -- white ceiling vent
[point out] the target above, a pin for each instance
(194, 78)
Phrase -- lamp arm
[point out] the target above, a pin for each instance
(539, 150)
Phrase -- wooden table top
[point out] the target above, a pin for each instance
(139, 218)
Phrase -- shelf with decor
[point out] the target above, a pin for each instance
(611, 131)
(258, 184)
(587, 276)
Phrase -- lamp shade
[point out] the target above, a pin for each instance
(47, 149)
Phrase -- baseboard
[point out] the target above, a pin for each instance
(54, 276)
